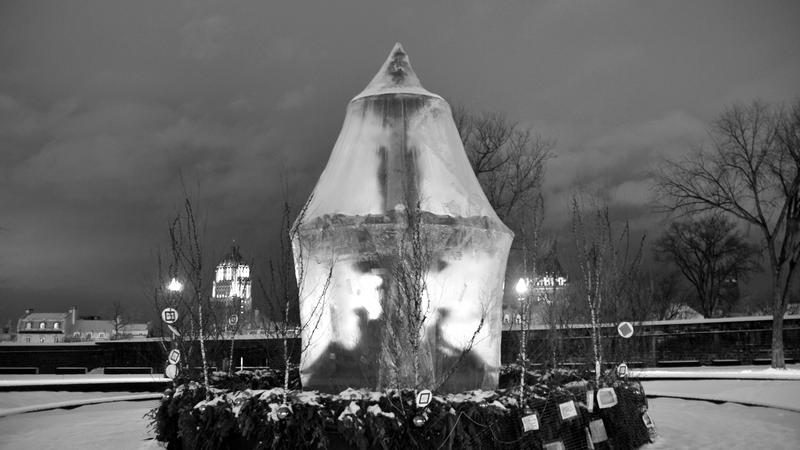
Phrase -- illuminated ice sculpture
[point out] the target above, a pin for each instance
(399, 161)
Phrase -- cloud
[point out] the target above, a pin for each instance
(618, 163)
(98, 118)
(296, 99)
(204, 39)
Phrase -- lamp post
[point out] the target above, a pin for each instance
(522, 293)
(174, 288)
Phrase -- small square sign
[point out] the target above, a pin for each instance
(169, 315)
(568, 410)
(424, 398)
(174, 356)
(598, 430)
(606, 398)
(625, 329)
(530, 422)
(555, 445)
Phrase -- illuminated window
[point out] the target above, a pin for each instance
(76, 335)
(41, 340)
(28, 325)
(56, 326)
(42, 325)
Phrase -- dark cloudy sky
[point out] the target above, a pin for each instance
(104, 104)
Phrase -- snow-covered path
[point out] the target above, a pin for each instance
(782, 394)
(689, 424)
(120, 426)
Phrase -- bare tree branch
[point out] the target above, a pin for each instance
(751, 172)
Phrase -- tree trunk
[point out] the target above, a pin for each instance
(595, 345)
(778, 309)
(202, 344)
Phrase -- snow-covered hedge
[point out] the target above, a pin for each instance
(191, 418)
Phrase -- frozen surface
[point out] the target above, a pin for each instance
(689, 424)
(398, 176)
(776, 393)
(120, 426)
(10, 400)
(398, 146)
(395, 76)
(792, 372)
(60, 380)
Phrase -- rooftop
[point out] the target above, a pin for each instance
(233, 256)
(44, 316)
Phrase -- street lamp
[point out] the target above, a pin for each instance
(522, 292)
(174, 285)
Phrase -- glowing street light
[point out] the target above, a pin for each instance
(175, 285)
(522, 286)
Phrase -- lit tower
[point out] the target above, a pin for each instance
(232, 286)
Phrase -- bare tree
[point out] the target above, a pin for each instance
(751, 172)
(280, 286)
(413, 353)
(404, 318)
(607, 265)
(188, 266)
(509, 161)
(712, 255)
(118, 319)
(657, 294)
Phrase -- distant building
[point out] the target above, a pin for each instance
(231, 290)
(42, 328)
(549, 278)
(685, 312)
(134, 331)
(92, 330)
(546, 284)
(8, 333)
(55, 328)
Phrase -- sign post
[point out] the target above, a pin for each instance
(233, 320)
(170, 316)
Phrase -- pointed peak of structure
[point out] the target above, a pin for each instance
(396, 76)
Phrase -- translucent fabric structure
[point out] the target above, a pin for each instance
(400, 258)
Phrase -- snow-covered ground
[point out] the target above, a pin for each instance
(689, 424)
(120, 426)
(681, 424)
(792, 372)
(773, 393)
(19, 399)
(11, 381)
